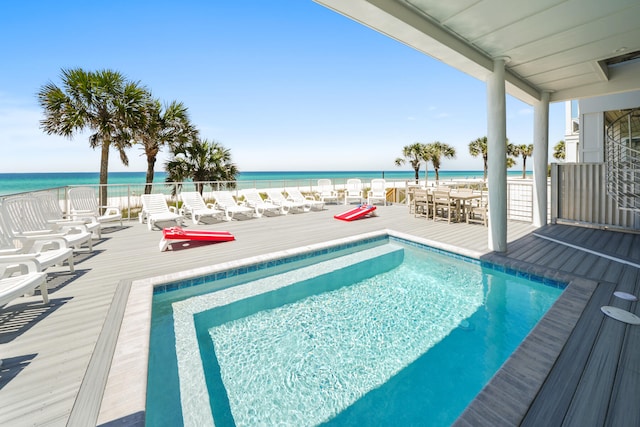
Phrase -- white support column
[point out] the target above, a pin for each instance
(497, 157)
(540, 159)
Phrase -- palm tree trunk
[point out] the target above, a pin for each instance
(151, 163)
(524, 167)
(417, 174)
(104, 173)
(485, 168)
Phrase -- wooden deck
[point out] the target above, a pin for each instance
(54, 356)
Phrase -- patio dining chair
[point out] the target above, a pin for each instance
(443, 205)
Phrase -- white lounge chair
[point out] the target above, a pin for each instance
(24, 217)
(13, 286)
(353, 190)
(193, 204)
(83, 203)
(253, 199)
(378, 191)
(295, 195)
(277, 198)
(326, 191)
(54, 215)
(155, 209)
(46, 249)
(225, 201)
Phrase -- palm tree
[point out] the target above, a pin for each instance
(103, 102)
(512, 152)
(200, 160)
(559, 151)
(414, 154)
(524, 151)
(170, 125)
(436, 150)
(479, 147)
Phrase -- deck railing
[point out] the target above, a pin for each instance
(127, 196)
(579, 195)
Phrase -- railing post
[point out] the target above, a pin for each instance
(555, 190)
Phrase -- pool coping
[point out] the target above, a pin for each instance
(124, 390)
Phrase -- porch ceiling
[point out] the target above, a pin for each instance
(567, 47)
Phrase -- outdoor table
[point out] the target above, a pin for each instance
(462, 199)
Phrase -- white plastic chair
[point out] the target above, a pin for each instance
(84, 203)
(378, 191)
(48, 250)
(53, 213)
(353, 190)
(155, 209)
(295, 195)
(326, 192)
(225, 201)
(277, 198)
(253, 199)
(24, 216)
(13, 286)
(193, 204)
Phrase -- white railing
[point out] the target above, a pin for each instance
(127, 196)
(623, 160)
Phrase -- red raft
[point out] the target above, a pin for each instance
(360, 212)
(177, 233)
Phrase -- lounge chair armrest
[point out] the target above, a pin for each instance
(110, 210)
(39, 233)
(6, 252)
(27, 264)
(13, 259)
(43, 242)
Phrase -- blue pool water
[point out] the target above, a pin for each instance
(390, 335)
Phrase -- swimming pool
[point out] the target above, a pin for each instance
(340, 337)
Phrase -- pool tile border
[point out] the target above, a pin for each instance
(333, 247)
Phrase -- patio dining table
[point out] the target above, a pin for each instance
(462, 200)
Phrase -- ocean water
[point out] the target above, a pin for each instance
(11, 183)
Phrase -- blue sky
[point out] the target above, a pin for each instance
(285, 84)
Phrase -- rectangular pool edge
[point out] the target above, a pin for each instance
(129, 365)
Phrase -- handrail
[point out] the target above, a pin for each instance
(623, 160)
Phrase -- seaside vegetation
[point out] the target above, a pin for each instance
(418, 152)
(119, 113)
(200, 160)
(525, 151)
(479, 147)
(559, 151)
(103, 102)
